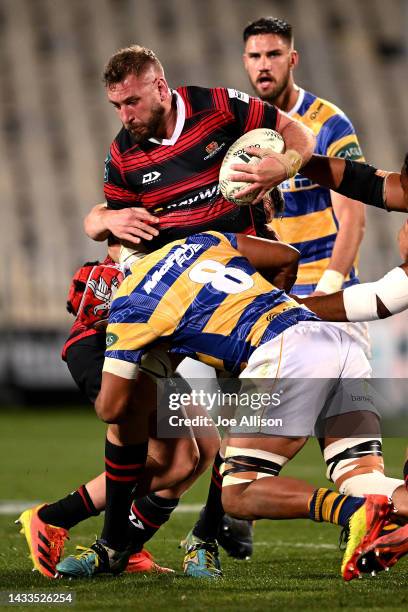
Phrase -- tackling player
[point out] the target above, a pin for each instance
(200, 268)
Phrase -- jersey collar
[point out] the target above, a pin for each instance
(181, 117)
(298, 102)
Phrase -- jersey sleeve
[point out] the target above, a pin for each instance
(251, 113)
(339, 139)
(117, 193)
(129, 341)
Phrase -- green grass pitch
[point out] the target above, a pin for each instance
(295, 565)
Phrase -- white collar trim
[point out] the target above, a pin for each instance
(298, 103)
(181, 117)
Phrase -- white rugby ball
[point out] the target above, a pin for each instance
(262, 138)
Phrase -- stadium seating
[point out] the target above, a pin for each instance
(56, 125)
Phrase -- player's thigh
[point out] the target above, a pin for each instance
(85, 361)
(282, 446)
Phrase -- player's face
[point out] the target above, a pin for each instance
(138, 104)
(268, 60)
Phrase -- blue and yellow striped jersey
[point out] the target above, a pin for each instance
(205, 299)
(308, 222)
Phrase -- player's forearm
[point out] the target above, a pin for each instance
(366, 301)
(351, 218)
(276, 261)
(95, 223)
(297, 138)
(325, 171)
(358, 181)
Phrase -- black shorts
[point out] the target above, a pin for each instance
(85, 362)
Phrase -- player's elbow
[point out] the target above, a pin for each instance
(92, 224)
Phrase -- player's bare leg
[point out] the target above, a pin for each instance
(251, 490)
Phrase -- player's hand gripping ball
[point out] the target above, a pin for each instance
(262, 138)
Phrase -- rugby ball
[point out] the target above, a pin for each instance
(262, 138)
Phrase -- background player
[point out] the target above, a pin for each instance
(326, 227)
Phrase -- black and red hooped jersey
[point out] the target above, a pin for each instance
(177, 179)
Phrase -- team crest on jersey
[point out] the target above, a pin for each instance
(213, 148)
(111, 339)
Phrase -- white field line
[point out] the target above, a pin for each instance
(17, 506)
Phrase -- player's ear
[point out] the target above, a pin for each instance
(294, 58)
(163, 88)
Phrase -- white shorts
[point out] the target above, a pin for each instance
(319, 356)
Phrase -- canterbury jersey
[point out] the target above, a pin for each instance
(309, 222)
(200, 295)
(177, 179)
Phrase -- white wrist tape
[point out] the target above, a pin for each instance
(292, 160)
(360, 301)
(330, 281)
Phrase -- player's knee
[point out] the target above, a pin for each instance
(356, 467)
(185, 464)
(242, 467)
(111, 412)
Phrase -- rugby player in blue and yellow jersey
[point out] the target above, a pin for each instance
(326, 227)
(203, 298)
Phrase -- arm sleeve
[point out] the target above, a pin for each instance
(251, 113)
(362, 182)
(339, 139)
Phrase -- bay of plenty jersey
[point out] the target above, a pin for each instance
(177, 179)
(200, 295)
(308, 222)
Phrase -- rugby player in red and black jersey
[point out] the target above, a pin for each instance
(163, 166)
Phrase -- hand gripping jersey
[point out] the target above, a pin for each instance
(200, 295)
(308, 221)
(177, 179)
(90, 294)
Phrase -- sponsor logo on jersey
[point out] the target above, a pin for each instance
(234, 93)
(297, 183)
(314, 114)
(151, 177)
(111, 339)
(201, 196)
(350, 151)
(270, 317)
(179, 257)
(213, 148)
